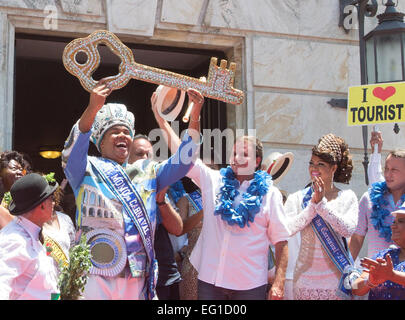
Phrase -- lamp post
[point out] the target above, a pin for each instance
(363, 9)
(382, 51)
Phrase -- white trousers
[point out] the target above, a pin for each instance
(105, 288)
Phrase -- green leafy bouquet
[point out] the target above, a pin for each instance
(6, 200)
(73, 277)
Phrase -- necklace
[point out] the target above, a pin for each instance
(379, 213)
(251, 201)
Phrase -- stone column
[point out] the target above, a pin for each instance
(7, 35)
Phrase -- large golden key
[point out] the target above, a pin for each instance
(219, 83)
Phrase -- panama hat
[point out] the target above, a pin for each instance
(169, 102)
(28, 192)
(278, 164)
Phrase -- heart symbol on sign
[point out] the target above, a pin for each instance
(384, 94)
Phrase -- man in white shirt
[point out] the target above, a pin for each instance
(27, 273)
(231, 260)
(231, 254)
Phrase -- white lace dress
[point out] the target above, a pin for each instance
(315, 275)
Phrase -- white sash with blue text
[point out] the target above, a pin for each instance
(121, 186)
(341, 257)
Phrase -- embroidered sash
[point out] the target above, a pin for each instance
(341, 258)
(55, 251)
(195, 200)
(121, 186)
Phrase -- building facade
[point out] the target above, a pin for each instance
(292, 59)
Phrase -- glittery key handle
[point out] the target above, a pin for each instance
(219, 85)
(88, 46)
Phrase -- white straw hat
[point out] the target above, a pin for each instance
(169, 102)
(278, 164)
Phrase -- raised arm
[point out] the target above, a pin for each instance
(96, 102)
(74, 154)
(177, 166)
(374, 169)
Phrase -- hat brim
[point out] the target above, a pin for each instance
(399, 211)
(174, 109)
(279, 168)
(16, 210)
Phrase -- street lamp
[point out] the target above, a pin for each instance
(385, 47)
(382, 56)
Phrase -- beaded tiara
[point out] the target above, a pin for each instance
(111, 114)
(331, 144)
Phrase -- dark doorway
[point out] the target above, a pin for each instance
(49, 100)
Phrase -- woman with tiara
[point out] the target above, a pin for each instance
(325, 216)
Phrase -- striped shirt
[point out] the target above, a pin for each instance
(364, 226)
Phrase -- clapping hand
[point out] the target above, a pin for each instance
(380, 270)
(319, 189)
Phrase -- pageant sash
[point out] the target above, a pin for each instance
(195, 199)
(55, 251)
(333, 247)
(121, 186)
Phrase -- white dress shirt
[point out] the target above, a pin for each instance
(26, 272)
(228, 256)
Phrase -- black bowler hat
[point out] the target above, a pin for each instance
(28, 192)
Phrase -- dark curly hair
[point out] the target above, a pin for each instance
(337, 153)
(7, 156)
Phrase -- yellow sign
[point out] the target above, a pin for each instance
(376, 103)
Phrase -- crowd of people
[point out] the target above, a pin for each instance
(186, 229)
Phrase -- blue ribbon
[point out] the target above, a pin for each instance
(121, 186)
(195, 200)
(341, 258)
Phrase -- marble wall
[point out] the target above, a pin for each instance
(292, 59)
